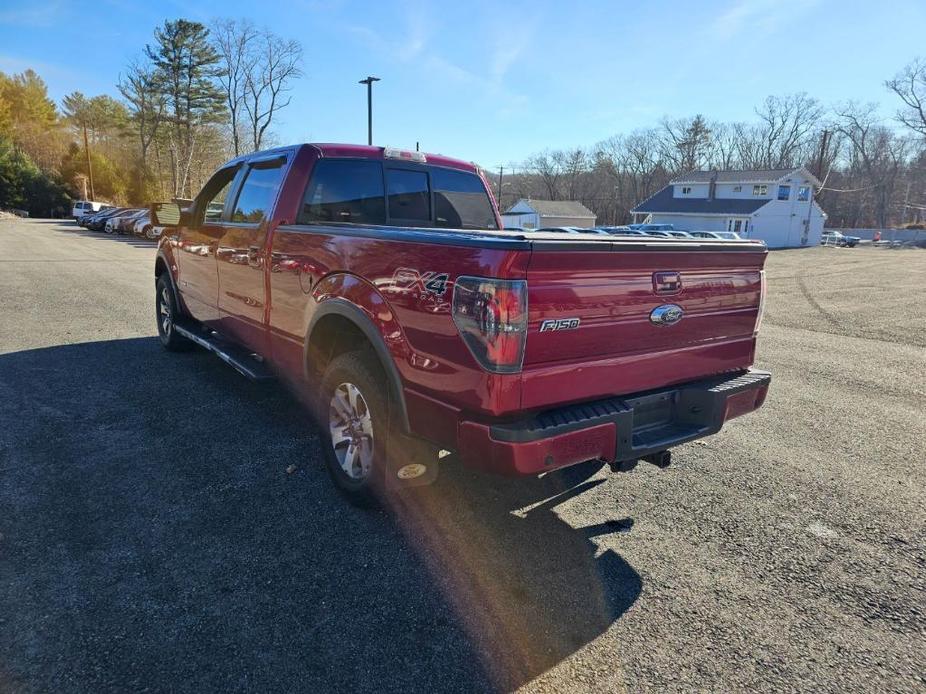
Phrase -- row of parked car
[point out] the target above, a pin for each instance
(658, 230)
(115, 220)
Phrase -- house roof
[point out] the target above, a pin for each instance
(556, 208)
(744, 176)
(663, 201)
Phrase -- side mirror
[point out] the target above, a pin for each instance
(166, 214)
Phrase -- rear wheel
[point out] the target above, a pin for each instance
(166, 314)
(354, 419)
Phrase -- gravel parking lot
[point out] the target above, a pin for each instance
(152, 539)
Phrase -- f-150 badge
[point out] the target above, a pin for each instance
(559, 324)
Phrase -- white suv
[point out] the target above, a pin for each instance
(82, 207)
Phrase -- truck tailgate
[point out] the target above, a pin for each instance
(593, 310)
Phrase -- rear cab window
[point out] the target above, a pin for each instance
(369, 191)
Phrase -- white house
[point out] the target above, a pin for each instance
(775, 205)
(534, 214)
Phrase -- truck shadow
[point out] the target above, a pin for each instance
(169, 525)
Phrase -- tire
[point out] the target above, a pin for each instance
(166, 311)
(353, 400)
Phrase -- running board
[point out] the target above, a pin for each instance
(244, 362)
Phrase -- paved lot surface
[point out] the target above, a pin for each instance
(151, 539)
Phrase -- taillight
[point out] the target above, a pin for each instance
(762, 290)
(491, 316)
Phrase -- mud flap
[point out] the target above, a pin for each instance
(411, 462)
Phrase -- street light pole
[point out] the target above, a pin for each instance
(369, 82)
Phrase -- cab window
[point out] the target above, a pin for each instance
(258, 192)
(409, 195)
(461, 200)
(345, 190)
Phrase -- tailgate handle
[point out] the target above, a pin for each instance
(667, 282)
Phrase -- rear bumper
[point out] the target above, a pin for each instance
(612, 429)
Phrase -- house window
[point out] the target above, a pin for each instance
(784, 192)
(737, 189)
(738, 226)
(803, 194)
(760, 190)
(686, 190)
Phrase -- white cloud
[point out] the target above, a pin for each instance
(414, 45)
(745, 16)
(37, 14)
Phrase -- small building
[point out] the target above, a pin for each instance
(534, 214)
(774, 205)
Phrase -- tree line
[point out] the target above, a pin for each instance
(195, 97)
(873, 172)
(198, 95)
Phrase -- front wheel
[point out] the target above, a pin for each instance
(166, 314)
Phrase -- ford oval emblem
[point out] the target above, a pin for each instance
(667, 314)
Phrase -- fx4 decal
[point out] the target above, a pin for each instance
(430, 282)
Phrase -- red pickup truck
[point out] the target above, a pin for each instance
(380, 283)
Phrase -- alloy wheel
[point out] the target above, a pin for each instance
(351, 426)
(164, 314)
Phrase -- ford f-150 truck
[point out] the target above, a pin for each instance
(380, 283)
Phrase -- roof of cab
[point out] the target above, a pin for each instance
(330, 149)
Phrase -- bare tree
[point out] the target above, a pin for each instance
(723, 151)
(276, 63)
(573, 163)
(786, 125)
(876, 150)
(685, 142)
(547, 166)
(910, 85)
(235, 42)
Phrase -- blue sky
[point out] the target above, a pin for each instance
(496, 81)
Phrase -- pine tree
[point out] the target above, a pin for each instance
(186, 70)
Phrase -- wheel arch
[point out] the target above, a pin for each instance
(162, 267)
(338, 323)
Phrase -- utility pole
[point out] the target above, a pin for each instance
(89, 167)
(501, 174)
(369, 82)
(824, 142)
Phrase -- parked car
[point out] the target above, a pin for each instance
(627, 231)
(831, 237)
(84, 207)
(97, 222)
(719, 235)
(124, 223)
(575, 230)
(142, 224)
(679, 234)
(653, 227)
(614, 229)
(105, 209)
(377, 283)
